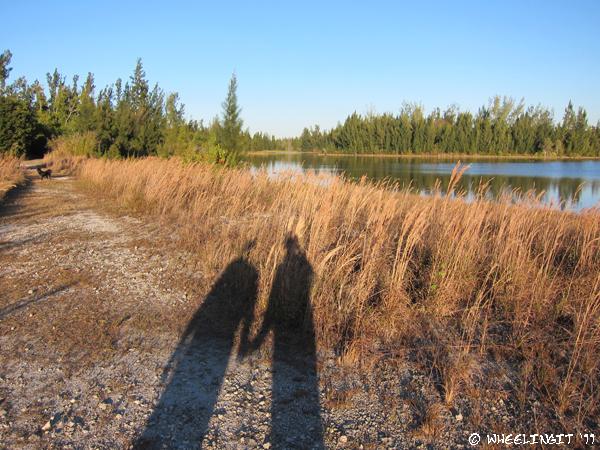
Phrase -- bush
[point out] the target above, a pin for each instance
(78, 144)
(18, 126)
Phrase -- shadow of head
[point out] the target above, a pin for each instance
(292, 244)
(231, 298)
(289, 301)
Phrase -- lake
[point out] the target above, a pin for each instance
(576, 182)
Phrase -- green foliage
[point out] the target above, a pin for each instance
(17, 126)
(76, 144)
(216, 154)
(113, 152)
(262, 141)
(132, 119)
(122, 120)
(5, 58)
(504, 127)
(230, 138)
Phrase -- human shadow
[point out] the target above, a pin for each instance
(295, 408)
(196, 369)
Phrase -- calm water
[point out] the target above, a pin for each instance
(575, 182)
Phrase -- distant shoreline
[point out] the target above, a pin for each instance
(427, 155)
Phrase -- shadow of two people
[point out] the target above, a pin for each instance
(197, 367)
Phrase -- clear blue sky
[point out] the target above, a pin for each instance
(301, 63)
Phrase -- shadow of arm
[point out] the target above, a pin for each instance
(248, 346)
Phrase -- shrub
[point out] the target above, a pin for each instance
(78, 144)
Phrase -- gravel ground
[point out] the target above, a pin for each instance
(93, 353)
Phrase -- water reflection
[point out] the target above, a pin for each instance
(575, 182)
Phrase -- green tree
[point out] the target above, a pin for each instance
(104, 120)
(85, 120)
(18, 126)
(230, 134)
(18, 122)
(5, 58)
(139, 116)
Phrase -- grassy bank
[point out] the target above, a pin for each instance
(475, 295)
(11, 174)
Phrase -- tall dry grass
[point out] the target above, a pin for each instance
(11, 174)
(451, 286)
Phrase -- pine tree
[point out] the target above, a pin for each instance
(85, 120)
(230, 135)
(5, 58)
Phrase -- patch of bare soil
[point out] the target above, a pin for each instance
(100, 348)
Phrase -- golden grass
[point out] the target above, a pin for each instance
(447, 283)
(11, 174)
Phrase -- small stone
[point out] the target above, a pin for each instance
(459, 417)
(47, 426)
(267, 445)
(343, 439)
(30, 291)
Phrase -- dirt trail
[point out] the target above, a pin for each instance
(91, 308)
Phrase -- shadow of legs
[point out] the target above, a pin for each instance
(197, 367)
(295, 410)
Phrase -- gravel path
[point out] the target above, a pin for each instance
(95, 350)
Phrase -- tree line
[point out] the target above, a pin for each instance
(132, 118)
(125, 119)
(504, 127)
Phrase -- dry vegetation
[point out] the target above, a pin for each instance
(11, 174)
(75, 145)
(455, 288)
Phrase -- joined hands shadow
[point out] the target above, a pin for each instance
(196, 369)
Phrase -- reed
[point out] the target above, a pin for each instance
(11, 174)
(450, 286)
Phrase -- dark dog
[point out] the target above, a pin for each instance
(44, 173)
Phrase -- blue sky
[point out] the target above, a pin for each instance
(302, 63)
